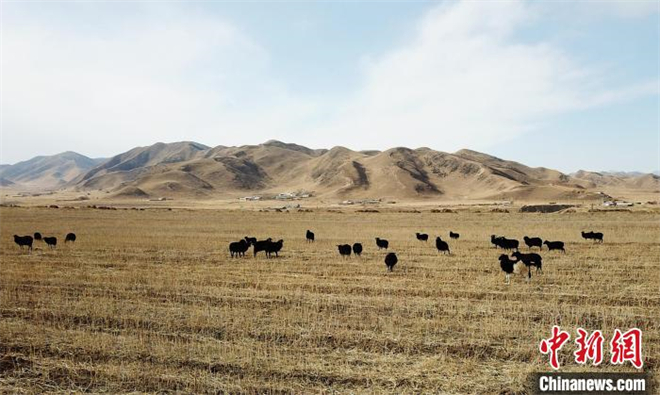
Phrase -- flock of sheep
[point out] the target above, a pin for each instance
(51, 242)
(508, 264)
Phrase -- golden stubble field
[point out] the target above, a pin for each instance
(150, 302)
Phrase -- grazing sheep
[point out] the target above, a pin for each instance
(453, 235)
(494, 240)
(50, 241)
(533, 242)
(251, 240)
(344, 250)
(596, 236)
(310, 236)
(504, 243)
(390, 261)
(70, 237)
(382, 243)
(510, 244)
(23, 241)
(555, 245)
(422, 236)
(37, 236)
(260, 245)
(357, 249)
(442, 245)
(508, 267)
(239, 248)
(531, 259)
(274, 248)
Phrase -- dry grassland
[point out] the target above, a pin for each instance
(150, 302)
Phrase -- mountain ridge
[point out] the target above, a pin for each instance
(190, 169)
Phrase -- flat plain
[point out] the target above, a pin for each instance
(149, 301)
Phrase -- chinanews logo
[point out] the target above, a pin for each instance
(623, 347)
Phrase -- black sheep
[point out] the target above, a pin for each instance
(390, 261)
(533, 242)
(596, 236)
(344, 250)
(508, 267)
(260, 245)
(422, 236)
(70, 237)
(51, 241)
(357, 249)
(382, 243)
(442, 245)
(310, 236)
(274, 247)
(555, 245)
(23, 241)
(495, 240)
(251, 240)
(504, 243)
(37, 236)
(531, 259)
(453, 235)
(239, 248)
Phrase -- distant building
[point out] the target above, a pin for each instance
(613, 203)
(250, 198)
(285, 196)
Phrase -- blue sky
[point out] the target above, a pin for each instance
(564, 85)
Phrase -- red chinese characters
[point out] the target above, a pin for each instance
(554, 344)
(627, 347)
(624, 347)
(589, 347)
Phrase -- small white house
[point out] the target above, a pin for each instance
(249, 198)
(285, 196)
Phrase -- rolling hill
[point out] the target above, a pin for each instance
(47, 172)
(193, 170)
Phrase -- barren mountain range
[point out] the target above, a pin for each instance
(193, 170)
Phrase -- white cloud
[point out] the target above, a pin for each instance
(465, 81)
(160, 75)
